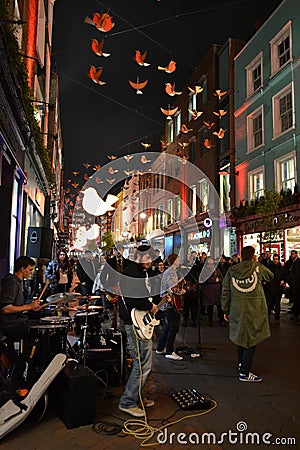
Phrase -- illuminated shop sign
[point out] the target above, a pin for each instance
(203, 234)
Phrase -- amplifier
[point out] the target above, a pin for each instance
(105, 356)
(190, 398)
(73, 395)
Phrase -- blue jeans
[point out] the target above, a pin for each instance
(130, 397)
(169, 332)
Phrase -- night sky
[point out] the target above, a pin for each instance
(101, 120)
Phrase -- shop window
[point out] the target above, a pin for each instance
(283, 111)
(192, 103)
(255, 130)
(281, 49)
(256, 183)
(170, 131)
(203, 194)
(254, 74)
(194, 200)
(177, 207)
(225, 190)
(177, 123)
(285, 172)
(170, 211)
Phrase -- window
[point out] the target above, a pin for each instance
(281, 49)
(192, 151)
(255, 132)
(256, 183)
(170, 210)
(254, 75)
(177, 207)
(177, 123)
(283, 111)
(170, 170)
(192, 103)
(170, 131)
(285, 172)
(203, 193)
(194, 200)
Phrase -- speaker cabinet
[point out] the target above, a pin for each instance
(73, 395)
(5, 202)
(39, 242)
(105, 356)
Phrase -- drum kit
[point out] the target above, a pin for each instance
(63, 324)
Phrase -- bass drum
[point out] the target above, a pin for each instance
(51, 340)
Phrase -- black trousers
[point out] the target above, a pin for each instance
(169, 332)
(245, 358)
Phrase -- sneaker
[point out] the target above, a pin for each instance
(174, 357)
(148, 403)
(251, 377)
(135, 411)
(159, 352)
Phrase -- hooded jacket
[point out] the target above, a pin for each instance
(243, 299)
(11, 294)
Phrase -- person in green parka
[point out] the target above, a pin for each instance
(245, 308)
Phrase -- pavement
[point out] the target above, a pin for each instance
(245, 415)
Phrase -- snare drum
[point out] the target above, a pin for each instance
(92, 319)
(52, 339)
(57, 320)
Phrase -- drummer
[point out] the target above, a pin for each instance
(13, 323)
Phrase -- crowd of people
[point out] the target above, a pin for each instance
(245, 292)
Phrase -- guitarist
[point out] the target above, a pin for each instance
(170, 281)
(136, 290)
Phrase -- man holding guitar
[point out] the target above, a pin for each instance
(13, 324)
(136, 291)
(171, 292)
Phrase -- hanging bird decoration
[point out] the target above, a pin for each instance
(95, 74)
(170, 68)
(110, 180)
(219, 93)
(170, 90)
(209, 125)
(102, 22)
(220, 113)
(98, 180)
(86, 165)
(111, 170)
(220, 134)
(97, 48)
(169, 112)
(185, 159)
(112, 157)
(140, 58)
(195, 114)
(163, 144)
(146, 144)
(75, 185)
(86, 177)
(75, 173)
(128, 172)
(207, 143)
(183, 144)
(196, 90)
(97, 167)
(184, 129)
(144, 160)
(138, 86)
(128, 157)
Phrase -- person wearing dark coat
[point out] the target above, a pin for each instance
(86, 272)
(210, 292)
(277, 287)
(59, 273)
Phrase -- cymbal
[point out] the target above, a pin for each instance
(95, 307)
(64, 296)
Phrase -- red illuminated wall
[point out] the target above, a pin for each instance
(31, 39)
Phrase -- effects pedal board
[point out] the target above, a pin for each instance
(190, 398)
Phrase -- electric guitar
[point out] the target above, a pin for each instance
(145, 321)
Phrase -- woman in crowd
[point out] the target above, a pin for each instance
(210, 293)
(59, 273)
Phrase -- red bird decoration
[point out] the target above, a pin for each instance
(140, 58)
(112, 157)
(170, 68)
(75, 173)
(138, 86)
(209, 125)
(207, 143)
(170, 90)
(220, 113)
(169, 112)
(86, 177)
(220, 94)
(95, 75)
(102, 22)
(163, 145)
(196, 90)
(220, 133)
(97, 48)
(184, 129)
(195, 114)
